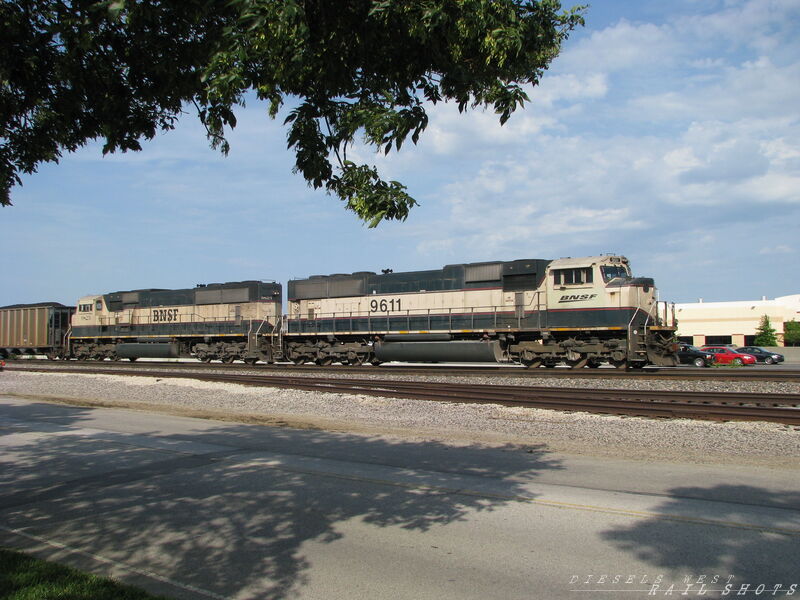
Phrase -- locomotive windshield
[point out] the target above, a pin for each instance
(610, 273)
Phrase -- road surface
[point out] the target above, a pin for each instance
(204, 509)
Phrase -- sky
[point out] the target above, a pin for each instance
(668, 132)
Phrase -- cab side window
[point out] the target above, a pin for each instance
(577, 276)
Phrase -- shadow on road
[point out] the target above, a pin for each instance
(236, 514)
(732, 548)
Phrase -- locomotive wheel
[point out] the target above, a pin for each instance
(132, 358)
(620, 364)
(327, 361)
(357, 361)
(579, 363)
(594, 364)
(375, 362)
(250, 361)
(299, 360)
(228, 359)
(531, 363)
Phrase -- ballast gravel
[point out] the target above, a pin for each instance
(679, 440)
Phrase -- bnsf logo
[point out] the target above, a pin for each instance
(165, 315)
(576, 297)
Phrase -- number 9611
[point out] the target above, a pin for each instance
(384, 305)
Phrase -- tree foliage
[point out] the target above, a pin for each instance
(791, 333)
(765, 333)
(119, 71)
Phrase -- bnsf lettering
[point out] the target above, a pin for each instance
(165, 315)
(576, 297)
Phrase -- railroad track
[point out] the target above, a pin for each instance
(738, 406)
(759, 373)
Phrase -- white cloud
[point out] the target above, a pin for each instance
(763, 25)
(570, 87)
(755, 89)
(780, 249)
(621, 47)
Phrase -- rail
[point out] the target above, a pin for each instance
(718, 406)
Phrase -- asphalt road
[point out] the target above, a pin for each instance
(204, 509)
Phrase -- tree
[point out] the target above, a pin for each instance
(791, 333)
(765, 333)
(73, 71)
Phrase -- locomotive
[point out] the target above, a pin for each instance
(224, 321)
(579, 311)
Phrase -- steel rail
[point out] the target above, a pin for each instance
(779, 408)
(650, 373)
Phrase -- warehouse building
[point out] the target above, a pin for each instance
(733, 322)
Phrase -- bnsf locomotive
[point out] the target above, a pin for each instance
(578, 311)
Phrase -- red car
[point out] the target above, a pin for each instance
(723, 355)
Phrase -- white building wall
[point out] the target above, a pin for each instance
(736, 319)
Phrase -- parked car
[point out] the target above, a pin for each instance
(692, 355)
(724, 355)
(762, 354)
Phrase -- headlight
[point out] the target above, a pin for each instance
(776, 356)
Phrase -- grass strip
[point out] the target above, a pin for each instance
(23, 577)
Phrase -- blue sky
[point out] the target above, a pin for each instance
(666, 131)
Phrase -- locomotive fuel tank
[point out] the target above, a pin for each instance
(441, 351)
(148, 350)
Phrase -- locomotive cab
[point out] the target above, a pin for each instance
(597, 311)
(89, 311)
(582, 287)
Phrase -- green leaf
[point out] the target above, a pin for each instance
(121, 71)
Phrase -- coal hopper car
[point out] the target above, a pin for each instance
(35, 329)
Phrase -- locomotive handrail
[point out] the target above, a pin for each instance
(147, 319)
(669, 307)
(392, 320)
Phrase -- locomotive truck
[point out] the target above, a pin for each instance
(579, 311)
